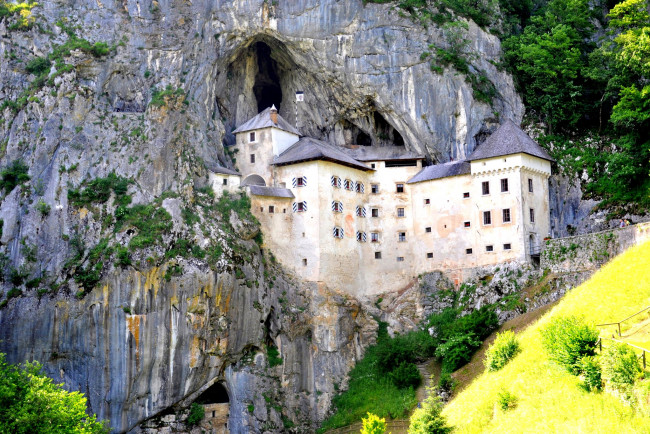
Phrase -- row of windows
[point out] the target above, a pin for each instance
(489, 248)
(348, 184)
(505, 216)
(485, 187)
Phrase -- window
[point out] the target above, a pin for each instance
(400, 188)
(348, 185)
(251, 137)
(530, 185)
(252, 158)
(400, 259)
(400, 212)
(361, 211)
(304, 262)
(466, 195)
(335, 181)
(377, 255)
(486, 187)
(299, 182)
(466, 224)
(372, 165)
(506, 215)
(271, 209)
(284, 210)
(359, 187)
(427, 201)
(489, 248)
(374, 237)
(504, 185)
(337, 206)
(361, 237)
(532, 215)
(299, 206)
(487, 217)
(507, 246)
(430, 255)
(401, 236)
(225, 181)
(337, 232)
(374, 188)
(374, 212)
(427, 229)
(261, 209)
(468, 251)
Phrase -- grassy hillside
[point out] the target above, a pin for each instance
(549, 398)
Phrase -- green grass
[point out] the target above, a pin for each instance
(549, 399)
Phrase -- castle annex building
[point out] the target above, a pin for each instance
(368, 219)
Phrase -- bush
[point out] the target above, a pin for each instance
(38, 65)
(406, 374)
(567, 340)
(13, 175)
(43, 207)
(447, 383)
(620, 365)
(427, 419)
(504, 348)
(457, 351)
(373, 424)
(273, 356)
(506, 400)
(197, 413)
(592, 373)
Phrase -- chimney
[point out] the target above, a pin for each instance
(274, 114)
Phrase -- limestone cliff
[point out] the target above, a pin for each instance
(143, 308)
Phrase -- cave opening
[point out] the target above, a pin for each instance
(363, 139)
(215, 394)
(267, 88)
(386, 133)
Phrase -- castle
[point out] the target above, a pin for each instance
(368, 219)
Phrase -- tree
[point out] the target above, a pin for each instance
(31, 403)
(373, 424)
(427, 419)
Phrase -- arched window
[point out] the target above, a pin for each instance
(335, 181)
(359, 187)
(348, 185)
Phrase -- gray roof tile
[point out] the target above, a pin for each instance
(384, 153)
(263, 120)
(259, 190)
(307, 149)
(214, 167)
(508, 139)
(437, 171)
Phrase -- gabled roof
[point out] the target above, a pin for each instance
(260, 190)
(263, 120)
(508, 139)
(437, 171)
(307, 149)
(384, 153)
(215, 168)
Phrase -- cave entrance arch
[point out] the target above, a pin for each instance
(267, 89)
(216, 404)
(254, 180)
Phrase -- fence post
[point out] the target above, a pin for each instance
(643, 359)
(600, 341)
(619, 329)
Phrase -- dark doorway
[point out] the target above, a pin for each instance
(267, 88)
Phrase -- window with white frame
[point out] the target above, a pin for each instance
(300, 181)
(401, 237)
(225, 181)
(466, 195)
(335, 181)
(530, 185)
(377, 255)
(427, 229)
(399, 188)
(467, 224)
(337, 206)
(252, 137)
(361, 211)
(532, 215)
(348, 185)
(374, 237)
(374, 212)
(430, 255)
(504, 185)
(485, 187)
(507, 246)
(468, 251)
(252, 158)
(337, 232)
(400, 212)
(489, 248)
(374, 188)
(487, 217)
(506, 215)
(359, 187)
(300, 206)
(361, 236)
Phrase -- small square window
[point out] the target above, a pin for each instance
(486, 187)
(400, 259)
(468, 251)
(466, 195)
(374, 237)
(300, 182)
(261, 209)
(377, 255)
(252, 158)
(466, 224)
(400, 188)
(532, 215)
(271, 209)
(530, 185)
(427, 201)
(372, 165)
(429, 255)
(487, 217)
(504, 185)
(300, 207)
(401, 236)
(400, 212)
(251, 137)
(304, 262)
(284, 210)
(374, 188)
(427, 229)
(507, 246)
(225, 181)
(489, 248)
(506, 215)
(374, 212)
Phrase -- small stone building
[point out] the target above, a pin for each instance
(216, 403)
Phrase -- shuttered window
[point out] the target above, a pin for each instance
(359, 187)
(348, 185)
(361, 211)
(335, 181)
(337, 232)
(300, 206)
(361, 237)
(337, 206)
(299, 182)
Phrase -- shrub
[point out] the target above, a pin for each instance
(197, 413)
(373, 424)
(13, 175)
(457, 351)
(620, 365)
(427, 419)
(504, 348)
(43, 207)
(447, 383)
(406, 374)
(567, 340)
(273, 356)
(38, 65)
(592, 373)
(506, 400)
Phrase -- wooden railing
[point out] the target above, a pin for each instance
(642, 357)
(622, 321)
